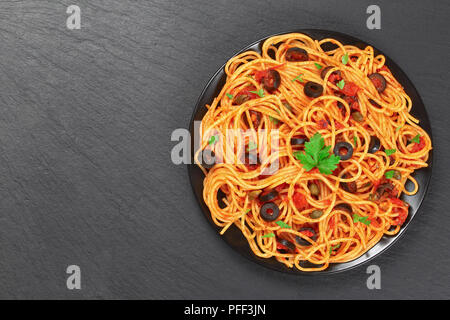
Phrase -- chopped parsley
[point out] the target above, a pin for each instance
(416, 139)
(390, 151)
(341, 84)
(283, 224)
(317, 155)
(389, 174)
(212, 140)
(318, 66)
(299, 78)
(260, 93)
(269, 235)
(345, 58)
(229, 95)
(251, 146)
(357, 218)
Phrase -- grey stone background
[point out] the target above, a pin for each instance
(85, 171)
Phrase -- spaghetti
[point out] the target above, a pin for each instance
(317, 96)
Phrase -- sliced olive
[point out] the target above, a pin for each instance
(252, 195)
(269, 211)
(272, 80)
(286, 243)
(313, 89)
(308, 232)
(374, 144)
(378, 81)
(384, 187)
(296, 54)
(372, 102)
(240, 99)
(209, 159)
(314, 189)
(357, 116)
(344, 150)
(268, 196)
(344, 207)
(348, 186)
(316, 214)
(325, 71)
(298, 141)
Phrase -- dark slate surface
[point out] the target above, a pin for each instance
(85, 170)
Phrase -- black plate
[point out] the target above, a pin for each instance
(233, 235)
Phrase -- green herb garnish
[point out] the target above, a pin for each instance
(354, 140)
(318, 66)
(269, 235)
(390, 151)
(283, 224)
(251, 146)
(260, 93)
(212, 140)
(317, 155)
(357, 218)
(229, 95)
(398, 128)
(341, 84)
(299, 77)
(345, 58)
(389, 174)
(416, 139)
(274, 120)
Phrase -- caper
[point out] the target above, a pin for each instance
(397, 175)
(357, 116)
(314, 189)
(316, 214)
(287, 106)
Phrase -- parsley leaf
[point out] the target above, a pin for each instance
(283, 224)
(345, 58)
(341, 84)
(318, 66)
(260, 93)
(229, 95)
(212, 140)
(398, 128)
(390, 151)
(269, 235)
(251, 146)
(416, 139)
(354, 140)
(299, 78)
(389, 174)
(317, 155)
(357, 218)
(274, 120)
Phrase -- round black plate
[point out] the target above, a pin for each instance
(233, 235)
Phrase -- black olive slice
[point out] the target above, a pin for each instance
(378, 81)
(344, 150)
(240, 99)
(251, 158)
(296, 54)
(313, 89)
(344, 207)
(298, 141)
(207, 158)
(374, 144)
(268, 196)
(255, 116)
(325, 71)
(272, 80)
(304, 242)
(348, 186)
(289, 245)
(269, 211)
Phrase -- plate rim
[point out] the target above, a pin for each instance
(352, 263)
